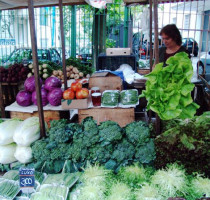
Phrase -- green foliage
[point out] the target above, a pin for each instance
(187, 143)
(110, 43)
(168, 89)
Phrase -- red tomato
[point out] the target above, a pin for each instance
(76, 86)
(68, 94)
(82, 93)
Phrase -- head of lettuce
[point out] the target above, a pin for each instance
(168, 89)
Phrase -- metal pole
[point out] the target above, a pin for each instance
(156, 31)
(125, 34)
(73, 31)
(36, 67)
(156, 53)
(63, 43)
(150, 35)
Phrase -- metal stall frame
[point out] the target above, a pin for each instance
(31, 4)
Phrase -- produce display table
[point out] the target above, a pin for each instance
(122, 116)
(50, 112)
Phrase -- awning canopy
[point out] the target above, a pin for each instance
(130, 2)
(14, 4)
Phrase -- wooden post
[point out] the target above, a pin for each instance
(63, 44)
(36, 67)
(3, 115)
(156, 52)
(150, 35)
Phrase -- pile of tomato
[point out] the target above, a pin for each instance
(76, 91)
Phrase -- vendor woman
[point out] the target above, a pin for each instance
(172, 40)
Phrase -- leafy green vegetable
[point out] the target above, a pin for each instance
(148, 192)
(129, 97)
(9, 189)
(134, 175)
(120, 191)
(67, 179)
(137, 132)
(146, 153)
(168, 89)
(199, 187)
(186, 142)
(70, 146)
(41, 196)
(109, 132)
(110, 98)
(57, 190)
(12, 175)
(171, 182)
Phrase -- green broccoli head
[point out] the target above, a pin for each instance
(39, 150)
(146, 153)
(137, 132)
(100, 153)
(109, 132)
(123, 151)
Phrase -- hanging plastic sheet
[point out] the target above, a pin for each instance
(100, 4)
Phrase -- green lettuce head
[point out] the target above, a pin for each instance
(168, 89)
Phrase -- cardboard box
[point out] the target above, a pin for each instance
(76, 103)
(118, 51)
(105, 81)
(48, 115)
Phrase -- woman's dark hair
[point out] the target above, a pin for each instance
(173, 32)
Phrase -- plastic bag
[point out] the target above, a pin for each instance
(110, 98)
(129, 97)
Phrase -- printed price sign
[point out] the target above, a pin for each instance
(27, 179)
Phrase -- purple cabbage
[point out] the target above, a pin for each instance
(29, 84)
(51, 83)
(23, 98)
(44, 97)
(54, 97)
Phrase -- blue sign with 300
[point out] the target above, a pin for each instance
(27, 179)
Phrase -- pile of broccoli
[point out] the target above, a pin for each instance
(107, 144)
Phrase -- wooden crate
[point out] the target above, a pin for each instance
(122, 116)
(48, 115)
(143, 71)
